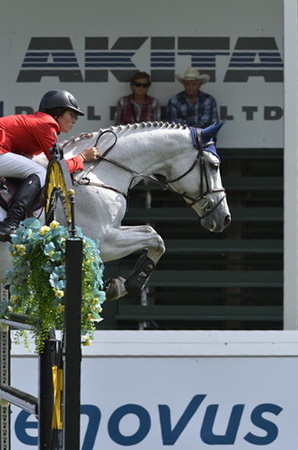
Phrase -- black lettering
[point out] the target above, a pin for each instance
(223, 113)
(242, 76)
(255, 57)
(50, 57)
(273, 113)
(203, 43)
(249, 110)
(66, 76)
(91, 114)
(99, 60)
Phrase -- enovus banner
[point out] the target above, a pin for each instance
(180, 390)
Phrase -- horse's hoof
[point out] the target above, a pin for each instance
(115, 289)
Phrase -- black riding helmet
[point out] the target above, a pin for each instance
(59, 98)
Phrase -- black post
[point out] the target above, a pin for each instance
(46, 401)
(72, 344)
(50, 432)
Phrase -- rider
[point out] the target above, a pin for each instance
(22, 136)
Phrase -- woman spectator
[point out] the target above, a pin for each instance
(138, 106)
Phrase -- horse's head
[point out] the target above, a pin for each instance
(201, 183)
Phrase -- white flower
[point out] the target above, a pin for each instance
(54, 225)
(45, 229)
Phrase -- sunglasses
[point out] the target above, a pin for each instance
(144, 85)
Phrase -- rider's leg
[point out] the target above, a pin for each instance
(13, 165)
(22, 202)
(34, 178)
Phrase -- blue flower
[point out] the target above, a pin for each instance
(37, 278)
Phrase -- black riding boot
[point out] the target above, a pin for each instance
(22, 202)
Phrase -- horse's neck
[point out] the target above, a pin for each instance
(143, 149)
(149, 149)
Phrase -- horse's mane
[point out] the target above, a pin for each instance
(126, 129)
(141, 125)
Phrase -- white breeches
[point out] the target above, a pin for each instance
(17, 166)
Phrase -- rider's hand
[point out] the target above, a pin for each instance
(90, 154)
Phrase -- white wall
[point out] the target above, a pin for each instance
(242, 41)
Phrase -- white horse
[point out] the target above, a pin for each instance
(185, 157)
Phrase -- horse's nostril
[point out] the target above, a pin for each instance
(227, 220)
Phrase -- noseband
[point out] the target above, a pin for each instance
(201, 200)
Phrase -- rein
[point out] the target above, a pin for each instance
(84, 180)
(197, 143)
(101, 157)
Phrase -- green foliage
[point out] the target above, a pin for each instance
(37, 279)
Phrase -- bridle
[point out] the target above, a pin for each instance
(201, 200)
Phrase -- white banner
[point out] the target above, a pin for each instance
(183, 390)
(93, 48)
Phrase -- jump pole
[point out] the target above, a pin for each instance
(72, 339)
(59, 182)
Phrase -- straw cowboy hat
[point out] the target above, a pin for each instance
(193, 74)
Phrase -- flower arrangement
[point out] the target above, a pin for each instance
(37, 279)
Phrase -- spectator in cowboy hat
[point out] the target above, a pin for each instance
(192, 106)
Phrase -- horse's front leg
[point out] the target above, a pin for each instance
(128, 240)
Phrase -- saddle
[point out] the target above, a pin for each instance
(8, 190)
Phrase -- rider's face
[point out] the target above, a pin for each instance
(67, 120)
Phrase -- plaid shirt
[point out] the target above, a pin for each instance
(200, 114)
(128, 111)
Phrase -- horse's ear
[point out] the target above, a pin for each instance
(211, 131)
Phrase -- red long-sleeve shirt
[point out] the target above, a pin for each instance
(31, 134)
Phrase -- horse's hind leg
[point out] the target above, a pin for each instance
(146, 239)
(140, 274)
(135, 283)
(115, 288)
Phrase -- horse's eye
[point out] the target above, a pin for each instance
(215, 167)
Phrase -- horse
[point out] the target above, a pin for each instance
(185, 157)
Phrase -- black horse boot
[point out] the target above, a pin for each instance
(140, 274)
(22, 202)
